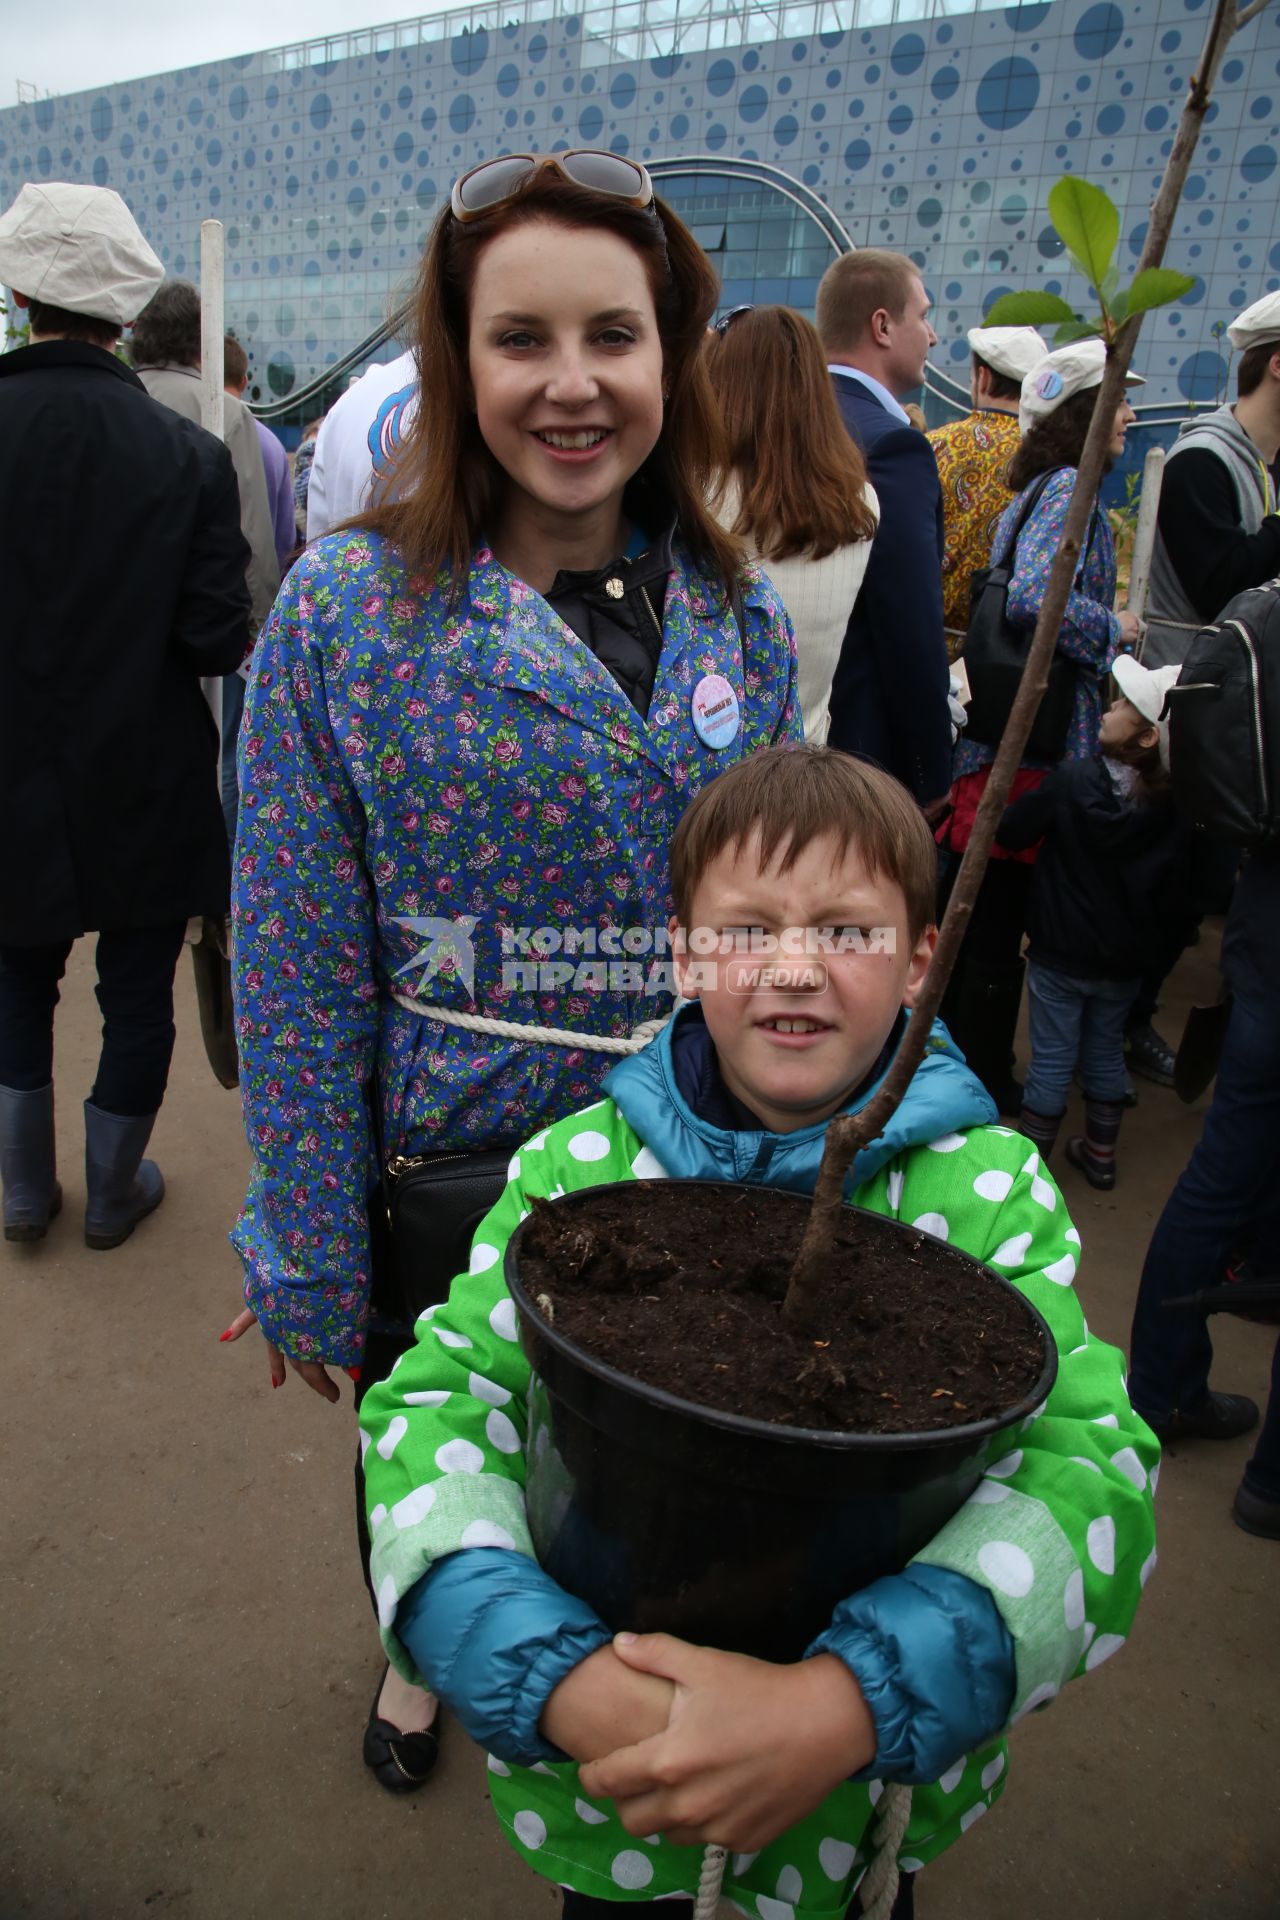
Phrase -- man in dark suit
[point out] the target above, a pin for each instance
(889, 699)
(124, 573)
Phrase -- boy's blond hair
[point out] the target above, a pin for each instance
(794, 795)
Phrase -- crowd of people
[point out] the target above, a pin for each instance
(613, 623)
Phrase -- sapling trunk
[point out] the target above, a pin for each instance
(846, 1137)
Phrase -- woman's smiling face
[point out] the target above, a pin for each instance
(566, 367)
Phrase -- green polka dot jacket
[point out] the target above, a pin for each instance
(1060, 1531)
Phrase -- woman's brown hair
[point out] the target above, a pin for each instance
(801, 480)
(448, 485)
(1056, 441)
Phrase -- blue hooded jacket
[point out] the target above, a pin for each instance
(495, 1635)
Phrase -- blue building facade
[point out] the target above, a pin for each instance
(784, 133)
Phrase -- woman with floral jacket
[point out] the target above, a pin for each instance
(474, 720)
(1058, 396)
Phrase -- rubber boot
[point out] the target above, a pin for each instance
(123, 1188)
(31, 1193)
(1041, 1129)
(983, 1017)
(1094, 1151)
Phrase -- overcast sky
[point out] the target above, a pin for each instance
(66, 46)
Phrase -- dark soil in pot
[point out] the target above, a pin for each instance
(680, 1283)
(744, 1529)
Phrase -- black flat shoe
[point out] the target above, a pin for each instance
(1222, 1416)
(1256, 1515)
(400, 1762)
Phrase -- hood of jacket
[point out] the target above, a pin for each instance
(1221, 433)
(944, 1097)
(1221, 421)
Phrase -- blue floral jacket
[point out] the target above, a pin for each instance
(455, 802)
(1090, 632)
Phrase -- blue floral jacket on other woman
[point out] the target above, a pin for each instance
(425, 785)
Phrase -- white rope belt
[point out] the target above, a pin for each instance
(879, 1885)
(533, 1036)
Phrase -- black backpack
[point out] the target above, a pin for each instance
(1224, 723)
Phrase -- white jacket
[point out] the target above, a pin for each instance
(360, 432)
(819, 596)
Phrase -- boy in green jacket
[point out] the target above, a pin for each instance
(614, 1761)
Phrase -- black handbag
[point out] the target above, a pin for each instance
(995, 654)
(423, 1215)
(433, 1204)
(212, 967)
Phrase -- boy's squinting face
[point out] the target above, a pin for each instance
(797, 1031)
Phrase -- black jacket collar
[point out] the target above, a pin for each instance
(46, 354)
(656, 517)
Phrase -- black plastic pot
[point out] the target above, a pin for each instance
(668, 1516)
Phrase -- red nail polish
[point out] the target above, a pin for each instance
(227, 1335)
(277, 1383)
(353, 1373)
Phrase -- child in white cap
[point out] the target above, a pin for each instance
(1114, 863)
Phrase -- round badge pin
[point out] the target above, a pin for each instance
(716, 715)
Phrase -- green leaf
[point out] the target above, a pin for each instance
(1087, 220)
(1077, 330)
(1028, 310)
(1158, 287)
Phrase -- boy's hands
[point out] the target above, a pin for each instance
(603, 1704)
(750, 1748)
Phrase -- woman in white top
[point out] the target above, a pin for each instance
(795, 491)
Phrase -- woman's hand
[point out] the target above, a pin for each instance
(312, 1371)
(1130, 628)
(750, 1748)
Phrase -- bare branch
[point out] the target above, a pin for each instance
(1246, 14)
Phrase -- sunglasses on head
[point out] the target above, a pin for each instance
(495, 182)
(726, 320)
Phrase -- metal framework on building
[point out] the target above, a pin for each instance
(630, 29)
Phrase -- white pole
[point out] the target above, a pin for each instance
(1144, 537)
(212, 324)
(212, 412)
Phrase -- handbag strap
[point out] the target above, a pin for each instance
(1030, 501)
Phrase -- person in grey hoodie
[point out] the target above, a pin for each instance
(1217, 529)
(1217, 533)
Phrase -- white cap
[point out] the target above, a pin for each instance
(1147, 689)
(1257, 325)
(1012, 351)
(79, 248)
(1061, 375)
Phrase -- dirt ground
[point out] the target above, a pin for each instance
(187, 1655)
